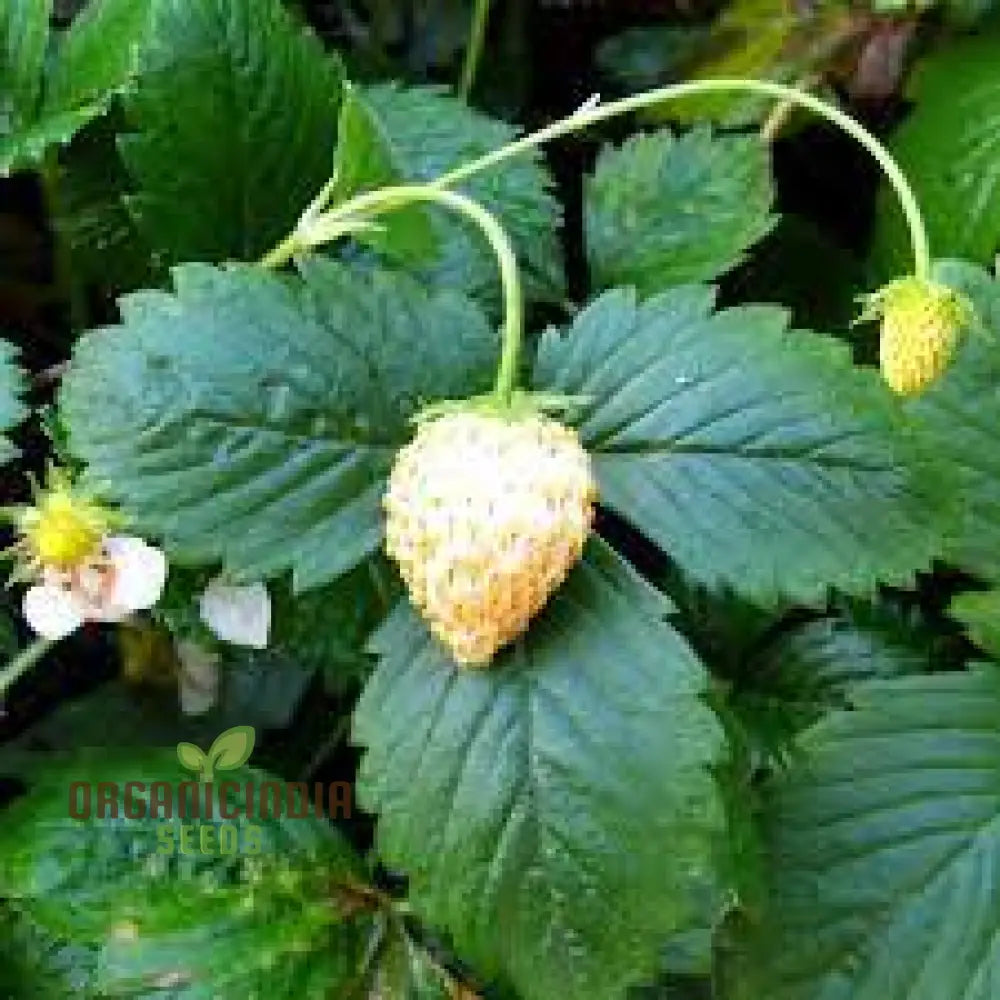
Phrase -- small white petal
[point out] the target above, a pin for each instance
(241, 615)
(140, 571)
(199, 677)
(52, 611)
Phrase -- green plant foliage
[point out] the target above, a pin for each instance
(250, 419)
(12, 410)
(364, 160)
(948, 147)
(326, 629)
(93, 220)
(750, 475)
(204, 923)
(429, 133)
(738, 752)
(881, 842)
(506, 807)
(227, 177)
(35, 965)
(979, 612)
(763, 39)
(97, 58)
(24, 35)
(647, 201)
(405, 970)
(641, 58)
(806, 670)
(957, 416)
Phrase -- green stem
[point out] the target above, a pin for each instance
(22, 663)
(369, 205)
(283, 252)
(590, 115)
(316, 227)
(474, 51)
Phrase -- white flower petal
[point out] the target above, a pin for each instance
(52, 612)
(241, 615)
(199, 677)
(140, 571)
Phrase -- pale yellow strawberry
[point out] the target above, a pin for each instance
(922, 322)
(485, 515)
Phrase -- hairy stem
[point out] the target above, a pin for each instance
(591, 114)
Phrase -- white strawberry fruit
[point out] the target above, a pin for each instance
(486, 513)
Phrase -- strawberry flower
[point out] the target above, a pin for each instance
(81, 571)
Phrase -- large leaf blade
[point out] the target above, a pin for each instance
(757, 457)
(663, 210)
(227, 178)
(429, 132)
(364, 162)
(98, 57)
(957, 416)
(555, 813)
(251, 419)
(882, 841)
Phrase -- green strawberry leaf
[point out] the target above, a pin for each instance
(948, 148)
(24, 37)
(405, 971)
(327, 628)
(92, 219)
(227, 178)
(12, 410)
(97, 58)
(252, 419)
(663, 210)
(28, 146)
(755, 456)
(232, 748)
(555, 813)
(957, 416)
(807, 669)
(979, 612)
(364, 161)
(278, 913)
(430, 132)
(882, 840)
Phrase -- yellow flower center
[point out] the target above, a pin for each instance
(62, 530)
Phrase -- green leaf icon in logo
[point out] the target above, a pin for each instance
(230, 750)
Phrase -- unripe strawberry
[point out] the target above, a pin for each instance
(486, 513)
(922, 322)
